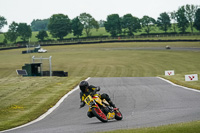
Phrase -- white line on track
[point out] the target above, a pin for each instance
(48, 112)
(179, 85)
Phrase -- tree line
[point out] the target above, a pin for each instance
(60, 25)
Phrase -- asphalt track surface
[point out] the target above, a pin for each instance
(143, 101)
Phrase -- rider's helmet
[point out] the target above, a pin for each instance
(83, 85)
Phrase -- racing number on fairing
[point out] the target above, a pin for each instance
(87, 99)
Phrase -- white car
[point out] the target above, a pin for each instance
(42, 50)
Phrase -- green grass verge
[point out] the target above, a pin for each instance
(191, 127)
(180, 80)
(25, 98)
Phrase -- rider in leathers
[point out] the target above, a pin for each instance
(87, 89)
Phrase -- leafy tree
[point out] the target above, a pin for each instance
(132, 24)
(89, 22)
(173, 17)
(101, 23)
(147, 23)
(2, 22)
(59, 25)
(24, 31)
(197, 20)
(5, 41)
(190, 14)
(38, 25)
(77, 27)
(164, 22)
(12, 33)
(95, 24)
(41, 35)
(183, 23)
(113, 24)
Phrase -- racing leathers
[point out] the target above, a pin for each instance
(92, 90)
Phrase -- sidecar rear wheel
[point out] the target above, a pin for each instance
(99, 114)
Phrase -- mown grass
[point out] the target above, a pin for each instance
(191, 127)
(25, 98)
(180, 79)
